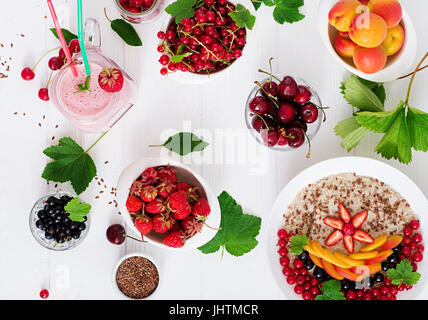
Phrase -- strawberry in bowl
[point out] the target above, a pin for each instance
(167, 204)
(211, 38)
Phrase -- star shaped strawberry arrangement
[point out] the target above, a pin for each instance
(347, 228)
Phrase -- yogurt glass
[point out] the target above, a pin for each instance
(95, 110)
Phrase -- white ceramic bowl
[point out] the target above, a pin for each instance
(361, 166)
(116, 267)
(195, 78)
(398, 65)
(184, 174)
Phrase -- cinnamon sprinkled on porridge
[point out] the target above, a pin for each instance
(137, 277)
(388, 211)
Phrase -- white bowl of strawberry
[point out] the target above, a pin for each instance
(204, 46)
(169, 204)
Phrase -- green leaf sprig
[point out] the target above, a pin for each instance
(77, 210)
(297, 243)
(125, 30)
(68, 36)
(84, 86)
(331, 291)
(403, 273)
(70, 163)
(183, 143)
(284, 10)
(243, 17)
(238, 231)
(404, 128)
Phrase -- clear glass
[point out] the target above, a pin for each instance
(313, 128)
(142, 17)
(120, 101)
(39, 234)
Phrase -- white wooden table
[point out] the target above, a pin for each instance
(254, 178)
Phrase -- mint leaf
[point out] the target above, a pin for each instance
(179, 57)
(403, 273)
(287, 11)
(184, 143)
(77, 210)
(237, 232)
(297, 243)
(84, 86)
(127, 32)
(396, 143)
(71, 163)
(417, 122)
(359, 95)
(331, 291)
(181, 9)
(243, 17)
(68, 36)
(379, 121)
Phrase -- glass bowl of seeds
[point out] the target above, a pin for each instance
(51, 226)
(136, 276)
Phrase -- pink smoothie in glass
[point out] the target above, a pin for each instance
(86, 103)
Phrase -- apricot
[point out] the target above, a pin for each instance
(394, 40)
(344, 47)
(368, 30)
(367, 269)
(364, 2)
(315, 260)
(370, 60)
(382, 256)
(376, 244)
(342, 14)
(364, 255)
(346, 259)
(391, 243)
(329, 268)
(389, 10)
(348, 274)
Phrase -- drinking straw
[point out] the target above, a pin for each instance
(80, 37)
(61, 38)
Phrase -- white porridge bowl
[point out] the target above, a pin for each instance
(397, 65)
(363, 167)
(195, 78)
(184, 174)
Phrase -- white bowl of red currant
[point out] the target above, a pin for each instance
(203, 47)
(283, 113)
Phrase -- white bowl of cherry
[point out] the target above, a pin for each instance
(284, 112)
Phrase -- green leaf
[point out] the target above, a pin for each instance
(268, 3)
(379, 121)
(84, 86)
(297, 243)
(257, 4)
(403, 273)
(181, 9)
(359, 95)
(345, 127)
(71, 163)
(243, 17)
(179, 57)
(353, 139)
(68, 36)
(417, 122)
(331, 291)
(396, 143)
(184, 143)
(287, 11)
(237, 232)
(127, 32)
(77, 210)
(380, 92)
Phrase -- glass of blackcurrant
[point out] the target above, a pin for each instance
(51, 226)
(283, 112)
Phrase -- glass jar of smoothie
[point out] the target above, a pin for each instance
(139, 11)
(93, 110)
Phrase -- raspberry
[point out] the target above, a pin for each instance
(148, 193)
(167, 174)
(181, 213)
(174, 239)
(183, 186)
(201, 209)
(133, 204)
(149, 176)
(136, 188)
(156, 206)
(162, 223)
(144, 224)
(165, 189)
(191, 226)
(178, 200)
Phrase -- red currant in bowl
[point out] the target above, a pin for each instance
(283, 112)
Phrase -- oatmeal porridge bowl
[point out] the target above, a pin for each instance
(349, 229)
